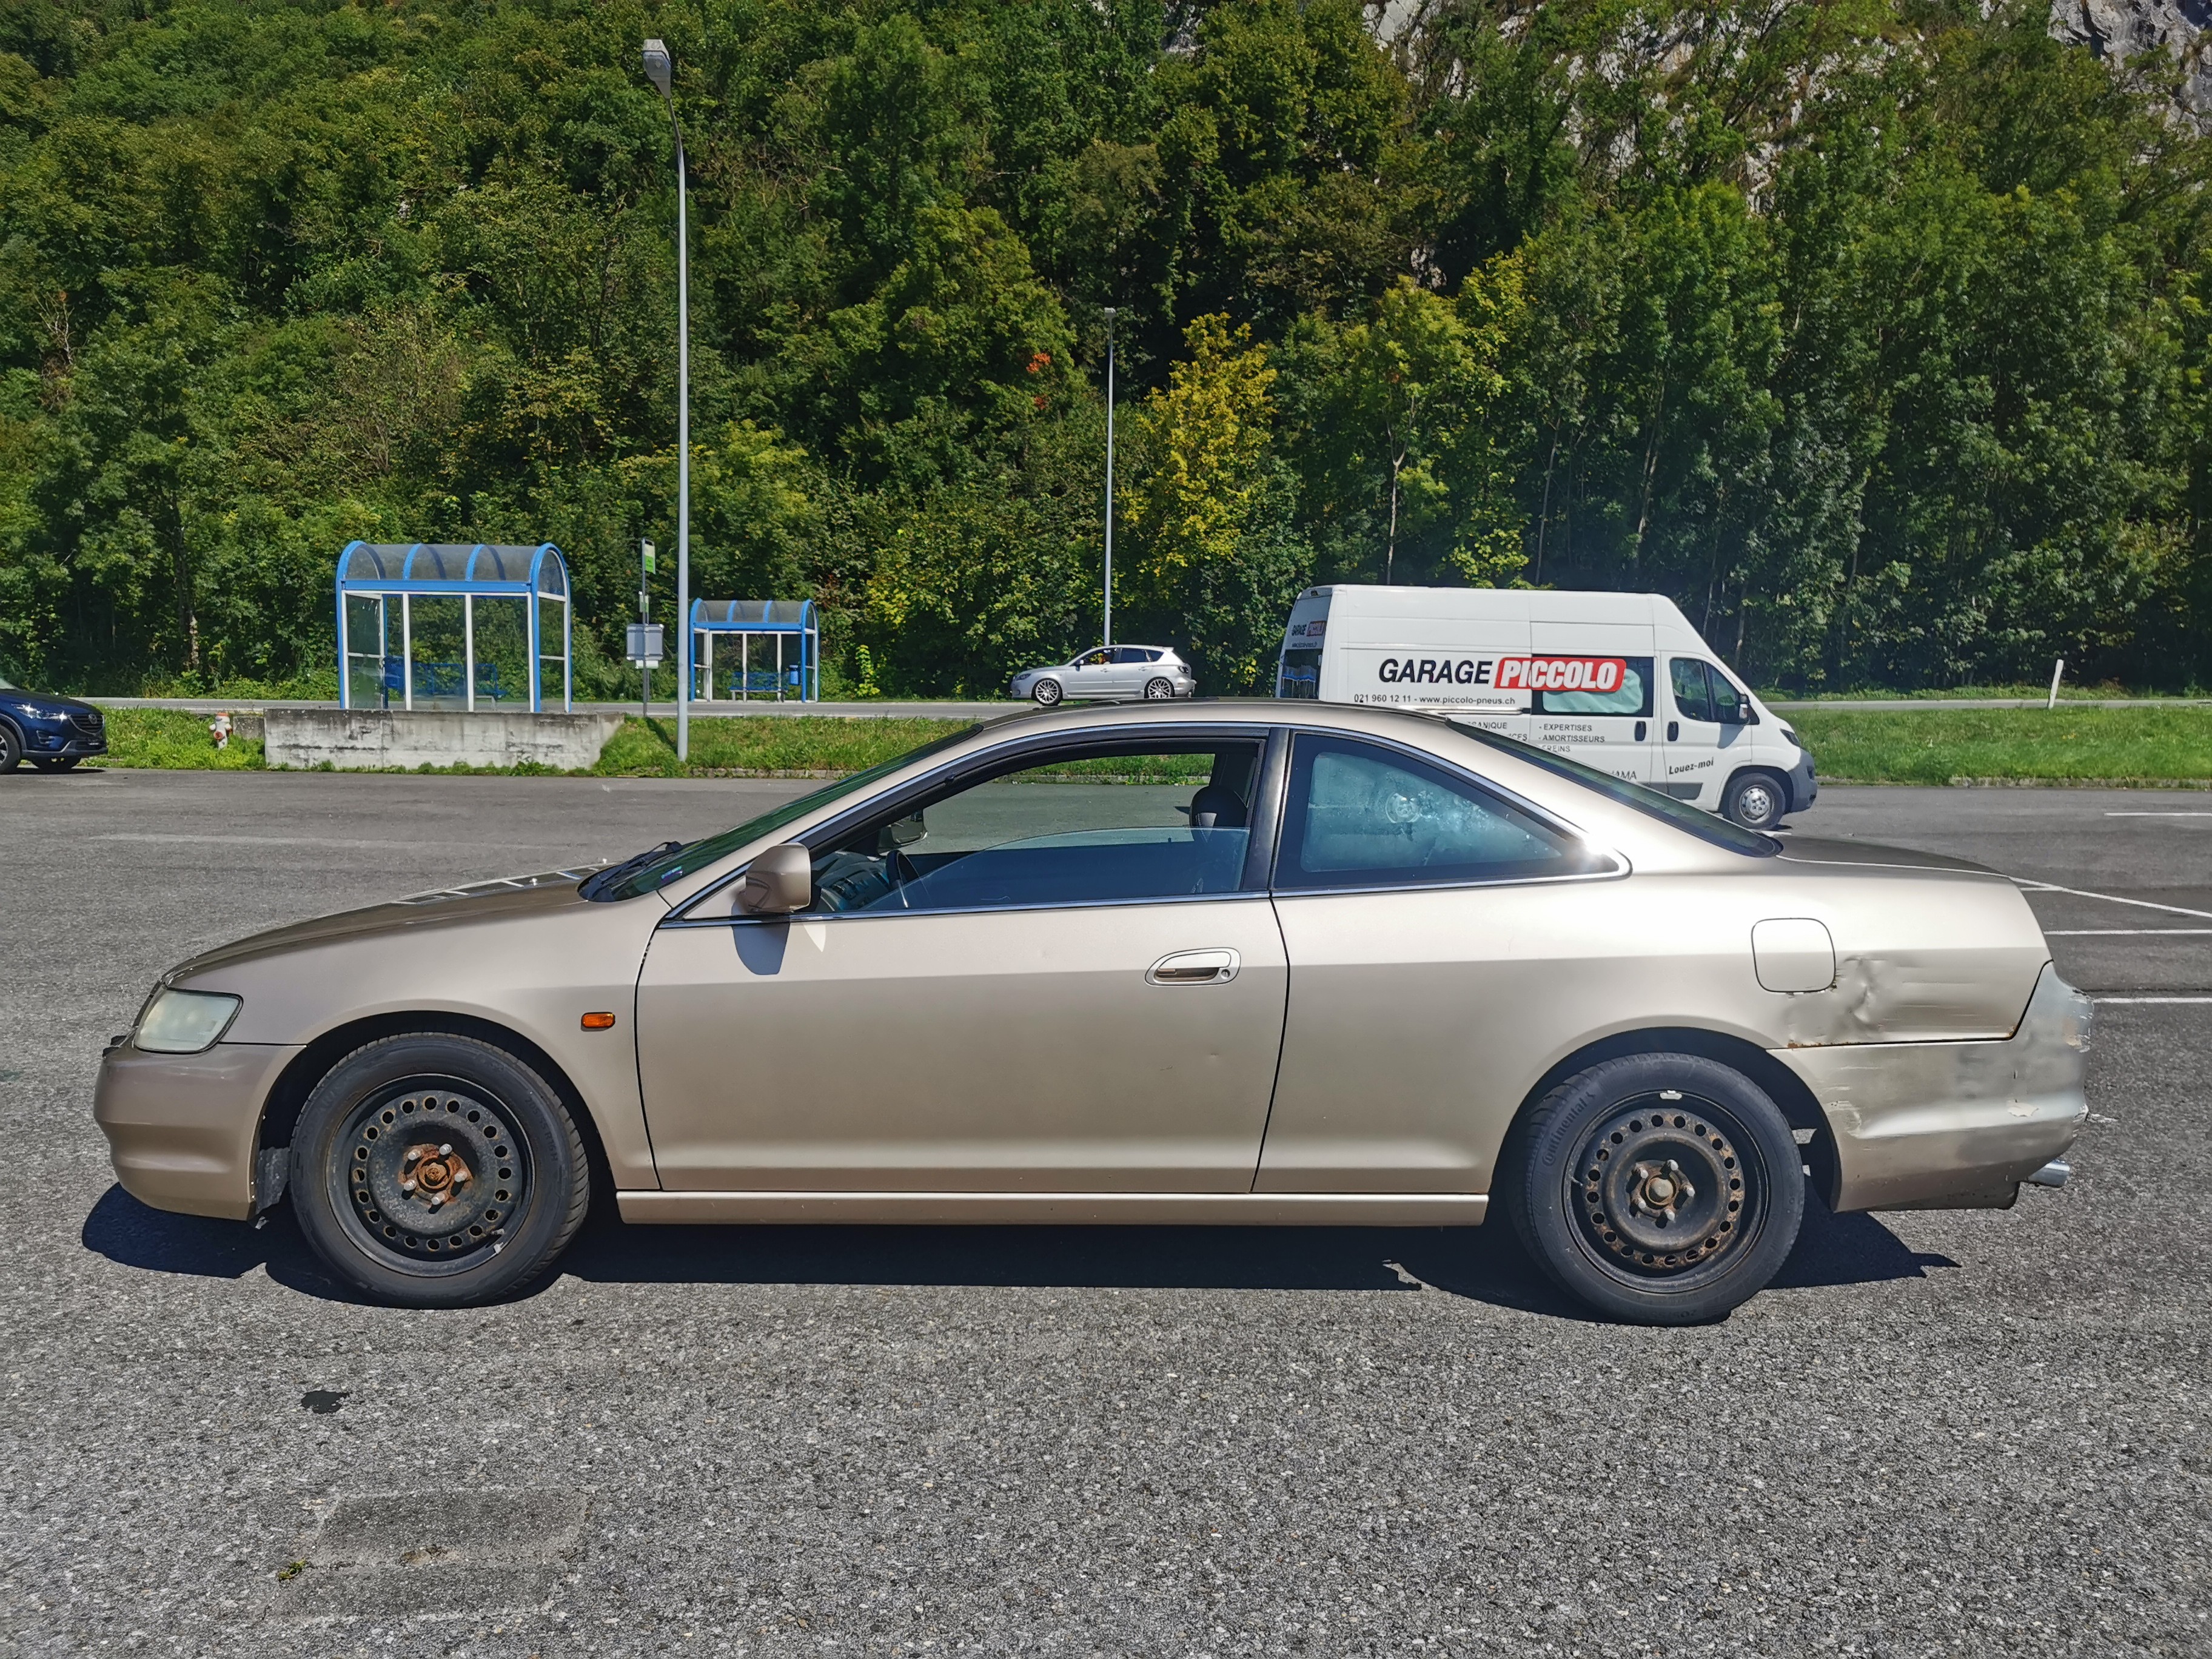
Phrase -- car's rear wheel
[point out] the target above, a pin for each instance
(1159, 691)
(1756, 800)
(11, 747)
(1048, 692)
(1660, 1189)
(54, 763)
(437, 1171)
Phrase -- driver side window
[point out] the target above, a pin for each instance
(1090, 826)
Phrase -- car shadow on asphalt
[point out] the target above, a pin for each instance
(1482, 1264)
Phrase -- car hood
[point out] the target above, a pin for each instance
(47, 703)
(499, 900)
(1819, 849)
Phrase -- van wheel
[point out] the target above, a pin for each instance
(1046, 692)
(1659, 1189)
(1756, 800)
(437, 1171)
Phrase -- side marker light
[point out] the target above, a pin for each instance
(598, 1021)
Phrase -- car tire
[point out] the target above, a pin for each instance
(507, 1159)
(1656, 1189)
(1159, 691)
(1048, 692)
(11, 747)
(54, 763)
(1757, 800)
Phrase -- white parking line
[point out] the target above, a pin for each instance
(2110, 899)
(2127, 933)
(2189, 1000)
(2159, 815)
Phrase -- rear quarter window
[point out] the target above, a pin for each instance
(1707, 827)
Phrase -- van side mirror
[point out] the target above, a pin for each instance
(1734, 711)
(778, 881)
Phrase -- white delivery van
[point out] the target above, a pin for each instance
(1618, 681)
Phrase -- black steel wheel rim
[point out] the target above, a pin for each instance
(1668, 1190)
(430, 1175)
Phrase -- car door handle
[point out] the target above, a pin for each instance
(1195, 968)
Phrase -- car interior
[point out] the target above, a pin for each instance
(1093, 825)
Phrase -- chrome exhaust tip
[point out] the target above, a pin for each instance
(2053, 1174)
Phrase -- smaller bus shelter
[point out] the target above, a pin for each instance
(786, 663)
(412, 572)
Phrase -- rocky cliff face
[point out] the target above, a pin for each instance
(2118, 29)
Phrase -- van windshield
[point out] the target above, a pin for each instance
(1705, 826)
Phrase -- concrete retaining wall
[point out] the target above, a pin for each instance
(366, 738)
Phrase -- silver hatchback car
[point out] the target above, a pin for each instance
(1115, 673)
(1267, 962)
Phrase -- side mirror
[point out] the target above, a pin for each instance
(778, 881)
(901, 832)
(1735, 712)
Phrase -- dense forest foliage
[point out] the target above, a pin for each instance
(1873, 333)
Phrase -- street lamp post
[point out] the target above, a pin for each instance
(1107, 628)
(659, 69)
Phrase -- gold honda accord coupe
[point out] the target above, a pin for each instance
(1214, 962)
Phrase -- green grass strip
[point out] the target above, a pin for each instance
(173, 739)
(2073, 742)
(796, 743)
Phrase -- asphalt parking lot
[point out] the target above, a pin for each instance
(1939, 1433)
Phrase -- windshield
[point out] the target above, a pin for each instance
(7, 684)
(1718, 831)
(698, 854)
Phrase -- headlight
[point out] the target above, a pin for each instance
(184, 1022)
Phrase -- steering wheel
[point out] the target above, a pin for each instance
(901, 870)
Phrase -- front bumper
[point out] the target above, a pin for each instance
(181, 1128)
(1939, 1126)
(1804, 787)
(47, 741)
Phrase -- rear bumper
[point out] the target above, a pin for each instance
(1953, 1125)
(181, 1128)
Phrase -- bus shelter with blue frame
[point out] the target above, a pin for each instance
(779, 620)
(406, 571)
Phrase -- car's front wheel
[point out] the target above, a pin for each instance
(11, 747)
(1158, 691)
(437, 1171)
(1662, 1189)
(1756, 800)
(1046, 692)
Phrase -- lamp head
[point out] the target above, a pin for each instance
(660, 68)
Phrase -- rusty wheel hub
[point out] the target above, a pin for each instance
(1660, 1188)
(433, 1174)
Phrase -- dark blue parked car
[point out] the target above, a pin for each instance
(53, 734)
